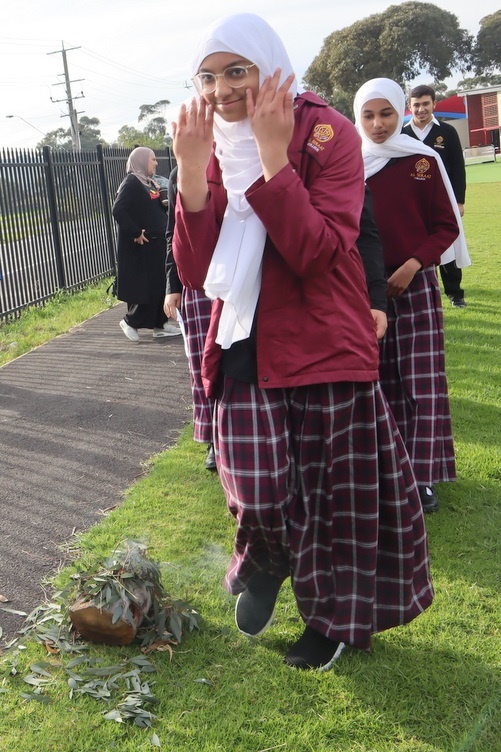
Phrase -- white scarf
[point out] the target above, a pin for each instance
(234, 273)
(376, 156)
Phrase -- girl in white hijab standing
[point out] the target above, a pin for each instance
(419, 225)
(270, 194)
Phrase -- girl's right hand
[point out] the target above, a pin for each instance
(192, 143)
(193, 136)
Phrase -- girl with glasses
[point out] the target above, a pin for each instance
(270, 194)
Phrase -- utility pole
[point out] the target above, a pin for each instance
(72, 113)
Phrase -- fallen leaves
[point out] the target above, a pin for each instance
(161, 646)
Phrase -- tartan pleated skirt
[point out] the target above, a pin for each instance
(322, 490)
(196, 311)
(412, 376)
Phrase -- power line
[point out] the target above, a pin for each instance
(154, 81)
(125, 68)
(90, 53)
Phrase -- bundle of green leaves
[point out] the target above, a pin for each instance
(111, 584)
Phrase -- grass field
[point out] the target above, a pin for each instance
(432, 686)
(488, 172)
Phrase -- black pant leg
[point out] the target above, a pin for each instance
(451, 280)
(145, 315)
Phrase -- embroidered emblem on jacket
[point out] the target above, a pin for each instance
(322, 133)
(421, 168)
(439, 142)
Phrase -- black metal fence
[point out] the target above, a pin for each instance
(56, 228)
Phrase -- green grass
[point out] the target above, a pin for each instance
(433, 686)
(486, 172)
(15, 225)
(39, 324)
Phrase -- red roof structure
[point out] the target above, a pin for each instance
(452, 107)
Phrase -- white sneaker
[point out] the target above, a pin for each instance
(129, 331)
(168, 330)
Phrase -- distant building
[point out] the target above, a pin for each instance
(483, 109)
(475, 114)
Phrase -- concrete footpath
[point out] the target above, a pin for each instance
(78, 418)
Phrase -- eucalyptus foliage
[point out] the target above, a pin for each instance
(125, 686)
(487, 53)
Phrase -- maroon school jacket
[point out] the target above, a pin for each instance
(313, 318)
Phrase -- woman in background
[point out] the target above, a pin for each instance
(142, 222)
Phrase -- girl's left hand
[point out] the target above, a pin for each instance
(272, 120)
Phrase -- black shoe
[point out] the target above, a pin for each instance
(458, 302)
(210, 460)
(314, 650)
(428, 499)
(256, 605)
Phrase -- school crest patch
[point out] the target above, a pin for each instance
(421, 170)
(422, 166)
(322, 133)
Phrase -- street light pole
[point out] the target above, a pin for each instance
(27, 123)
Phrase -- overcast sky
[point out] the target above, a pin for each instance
(130, 53)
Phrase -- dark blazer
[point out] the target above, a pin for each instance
(141, 268)
(444, 139)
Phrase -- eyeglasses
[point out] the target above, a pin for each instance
(235, 76)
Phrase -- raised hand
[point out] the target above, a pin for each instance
(192, 134)
(272, 121)
(192, 143)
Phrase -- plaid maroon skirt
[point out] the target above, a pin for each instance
(412, 374)
(319, 482)
(196, 310)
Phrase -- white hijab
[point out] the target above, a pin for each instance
(401, 145)
(234, 274)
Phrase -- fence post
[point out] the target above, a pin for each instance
(106, 207)
(54, 223)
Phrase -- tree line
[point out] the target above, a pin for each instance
(403, 42)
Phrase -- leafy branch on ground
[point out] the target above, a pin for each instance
(109, 587)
